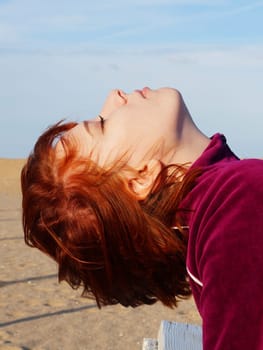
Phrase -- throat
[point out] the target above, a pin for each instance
(191, 144)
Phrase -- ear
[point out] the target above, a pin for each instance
(142, 183)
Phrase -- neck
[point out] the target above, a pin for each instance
(190, 142)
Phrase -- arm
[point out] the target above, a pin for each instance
(230, 256)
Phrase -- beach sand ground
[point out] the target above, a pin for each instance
(39, 313)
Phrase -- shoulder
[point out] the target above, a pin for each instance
(225, 252)
(251, 169)
(229, 180)
(226, 217)
(226, 209)
(232, 190)
(240, 181)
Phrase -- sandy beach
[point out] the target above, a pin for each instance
(39, 313)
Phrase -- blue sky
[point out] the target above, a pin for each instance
(60, 58)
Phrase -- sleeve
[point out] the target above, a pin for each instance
(230, 264)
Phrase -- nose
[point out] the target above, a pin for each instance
(115, 99)
(122, 95)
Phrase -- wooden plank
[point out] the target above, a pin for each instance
(179, 336)
(150, 344)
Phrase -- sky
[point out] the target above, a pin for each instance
(59, 59)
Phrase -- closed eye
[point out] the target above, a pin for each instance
(102, 123)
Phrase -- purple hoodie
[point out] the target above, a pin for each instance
(225, 249)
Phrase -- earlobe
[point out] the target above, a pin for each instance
(142, 183)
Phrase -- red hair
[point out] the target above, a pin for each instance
(119, 249)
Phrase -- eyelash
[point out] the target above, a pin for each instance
(102, 121)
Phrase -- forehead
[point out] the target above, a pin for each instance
(76, 138)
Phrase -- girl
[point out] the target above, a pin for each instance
(138, 205)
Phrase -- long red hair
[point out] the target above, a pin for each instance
(119, 249)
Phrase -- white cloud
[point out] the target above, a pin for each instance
(238, 57)
(48, 24)
(8, 34)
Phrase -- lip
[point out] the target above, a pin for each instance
(143, 92)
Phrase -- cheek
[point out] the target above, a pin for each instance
(110, 149)
(114, 140)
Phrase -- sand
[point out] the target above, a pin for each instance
(39, 313)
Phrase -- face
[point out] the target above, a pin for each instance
(134, 123)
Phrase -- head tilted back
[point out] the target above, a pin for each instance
(83, 216)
